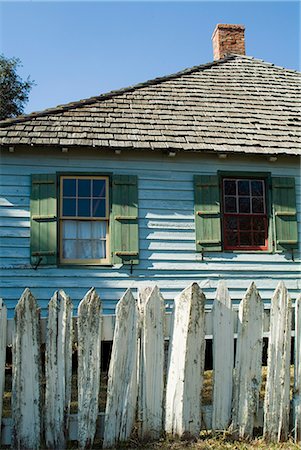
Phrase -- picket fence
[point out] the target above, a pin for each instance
(137, 394)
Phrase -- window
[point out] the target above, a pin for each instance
(245, 212)
(245, 220)
(84, 219)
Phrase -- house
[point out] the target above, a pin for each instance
(189, 177)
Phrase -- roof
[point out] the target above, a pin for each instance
(237, 104)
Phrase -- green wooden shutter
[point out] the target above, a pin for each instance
(207, 213)
(43, 219)
(284, 213)
(124, 220)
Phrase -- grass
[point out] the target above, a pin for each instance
(207, 440)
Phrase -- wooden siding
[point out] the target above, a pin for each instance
(166, 230)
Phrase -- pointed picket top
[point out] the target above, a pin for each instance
(186, 358)
(277, 394)
(223, 357)
(151, 366)
(122, 379)
(58, 367)
(247, 372)
(26, 390)
(89, 362)
(3, 321)
(297, 374)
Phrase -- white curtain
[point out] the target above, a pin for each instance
(84, 239)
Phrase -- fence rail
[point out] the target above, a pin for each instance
(136, 388)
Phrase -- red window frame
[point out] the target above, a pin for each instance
(240, 225)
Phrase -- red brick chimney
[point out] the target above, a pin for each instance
(228, 39)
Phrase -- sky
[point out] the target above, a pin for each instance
(75, 50)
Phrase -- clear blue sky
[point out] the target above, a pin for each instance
(75, 50)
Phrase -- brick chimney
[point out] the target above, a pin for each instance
(228, 39)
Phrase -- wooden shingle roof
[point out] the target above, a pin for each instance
(238, 104)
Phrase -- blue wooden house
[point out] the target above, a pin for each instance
(190, 177)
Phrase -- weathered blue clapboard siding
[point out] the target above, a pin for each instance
(166, 229)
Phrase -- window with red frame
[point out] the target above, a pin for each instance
(245, 221)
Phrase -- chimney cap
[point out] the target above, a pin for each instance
(228, 26)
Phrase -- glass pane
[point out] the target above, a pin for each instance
(245, 223)
(99, 230)
(259, 238)
(69, 188)
(84, 229)
(257, 205)
(98, 249)
(243, 187)
(244, 204)
(69, 249)
(230, 187)
(99, 207)
(230, 204)
(99, 188)
(84, 188)
(69, 229)
(84, 207)
(84, 249)
(245, 239)
(257, 187)
(231, 239)
(258, 223)
(69, 207)
(231, 223)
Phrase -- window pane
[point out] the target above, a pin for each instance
(259, 238)
(243, 187)
(69, 188)
(230, 187)
(84, 249)
(99, 249)
(258, 223)
(245, 239)
(99, 188)
(99, 230)
(232, 239)
(84, 188)
(245, 223)
(84, 207)
(99, 207)
(257, 205)
(69, 249)
(84, 229)
(257, 187)
(231, 223)
(69, 207)
(230, 204)
(244, 204)
(69, 229)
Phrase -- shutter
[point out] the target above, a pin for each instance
(124, 220)
(284, 213)
(207, 213)
(43, 219)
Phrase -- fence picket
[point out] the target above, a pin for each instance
(122, 379)
(152, 366)
(89, 348)
(3, 321)
(26, 394)
(247, 372)
(223, 358)
(58, 369)
(297, 374)
(277, 394)
(186, 358)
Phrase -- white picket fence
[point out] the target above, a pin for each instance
(137, 394)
